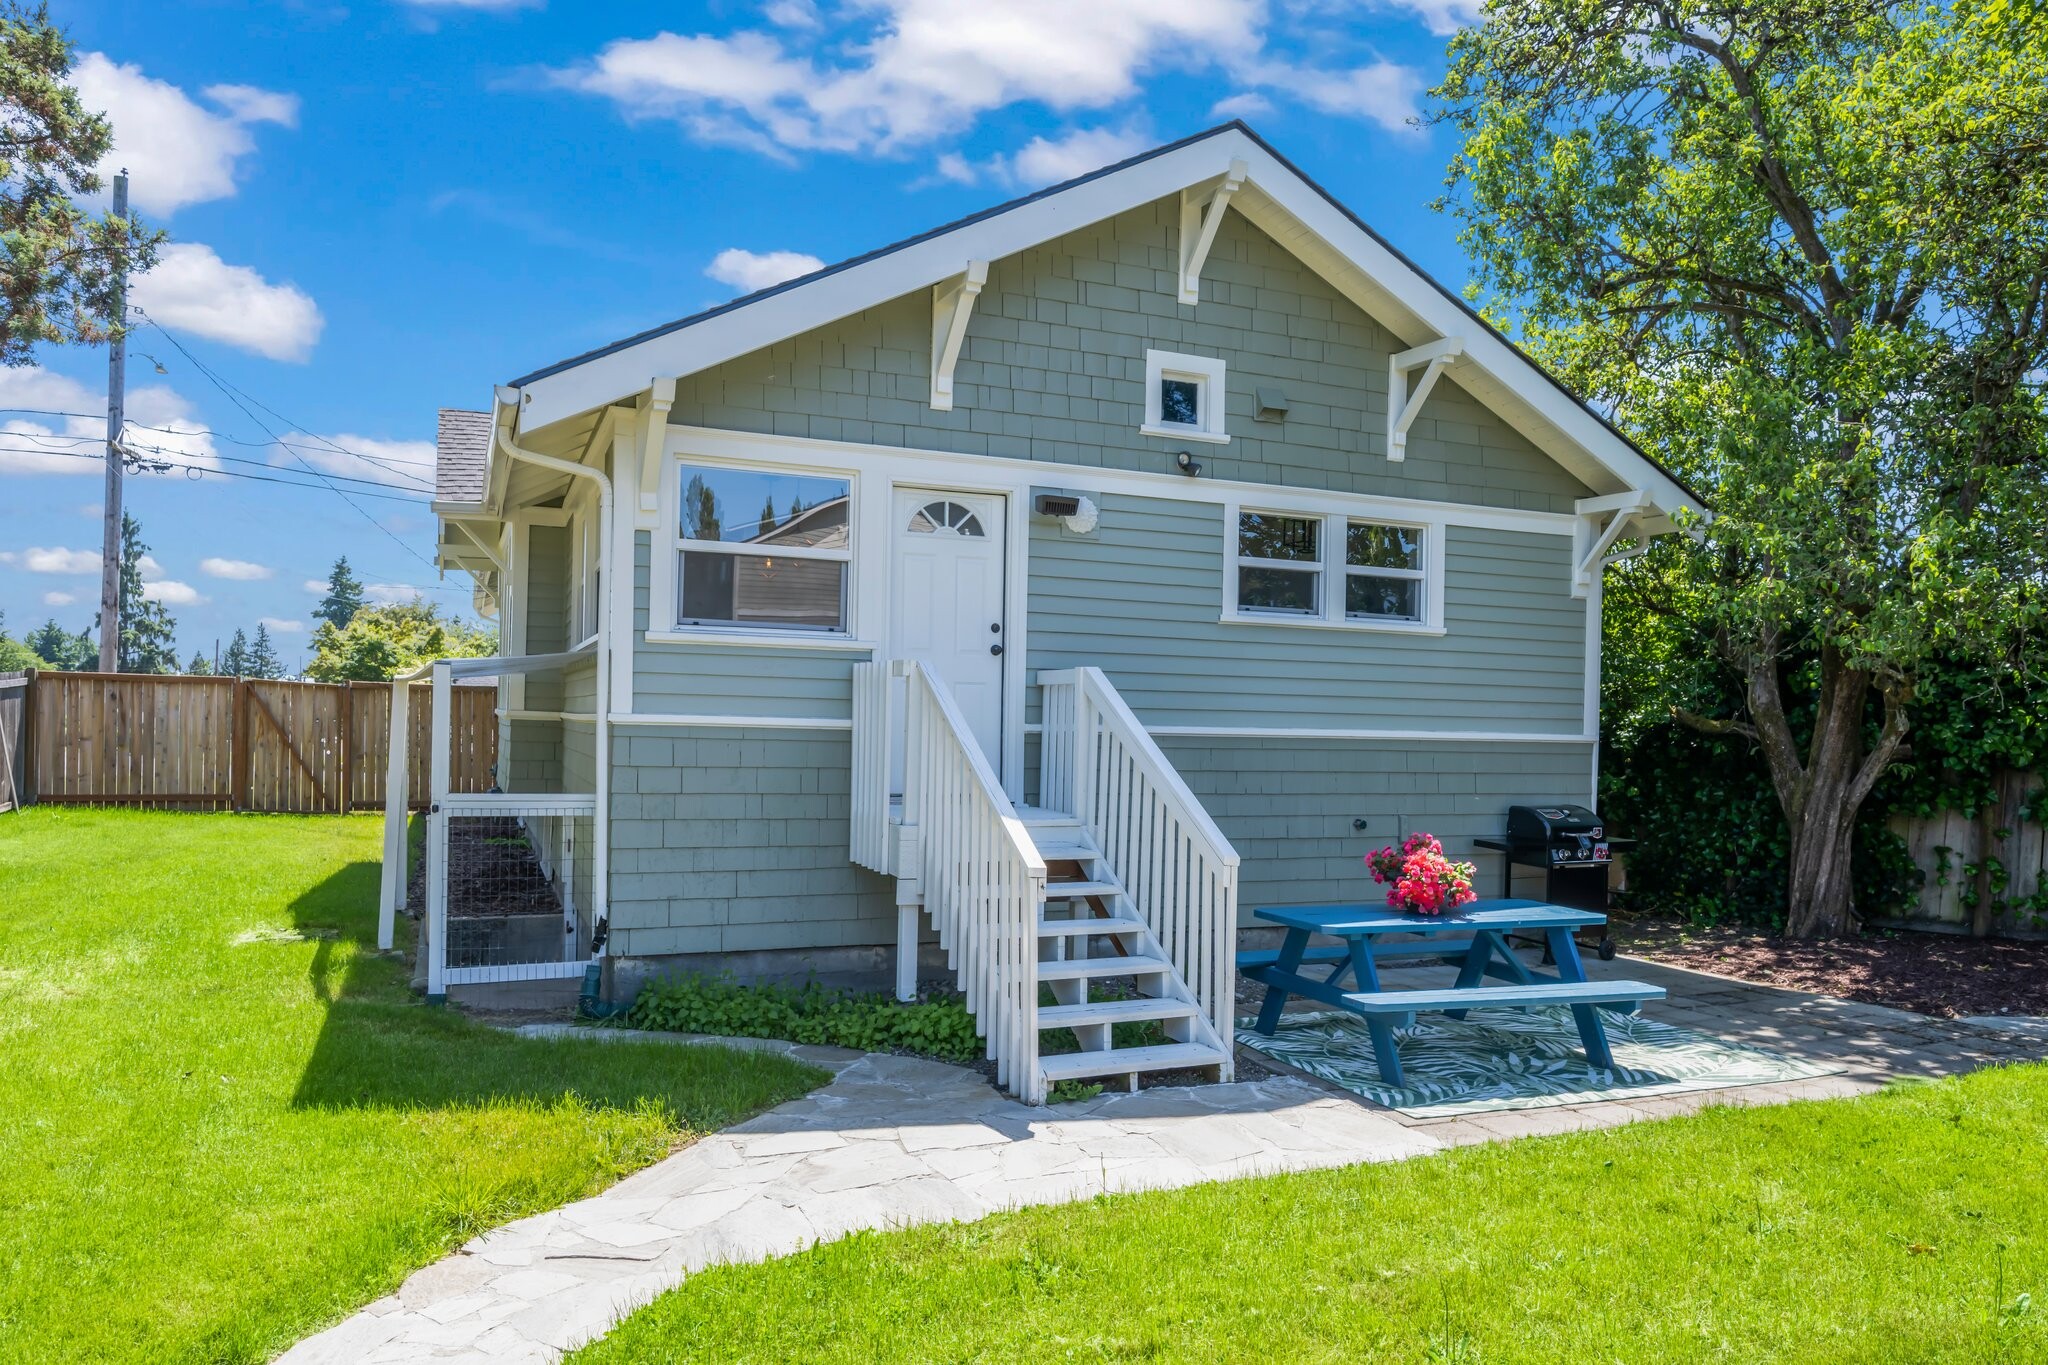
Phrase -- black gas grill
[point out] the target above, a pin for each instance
(1571, 844)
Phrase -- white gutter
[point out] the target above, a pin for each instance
(505, 411)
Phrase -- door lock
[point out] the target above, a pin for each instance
(995, 649)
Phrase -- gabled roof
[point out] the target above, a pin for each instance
(1277, 197)
(462, 455)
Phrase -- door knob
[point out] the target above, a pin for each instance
(995, 649)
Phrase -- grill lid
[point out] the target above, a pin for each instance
(1553, 824)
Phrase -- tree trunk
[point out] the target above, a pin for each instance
(1819, 888)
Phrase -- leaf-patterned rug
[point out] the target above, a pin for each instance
(1517, 1059)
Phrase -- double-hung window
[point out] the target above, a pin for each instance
(762, 549)
(1332, 569)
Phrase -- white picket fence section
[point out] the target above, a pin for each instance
(1098, 761)
(982, 880)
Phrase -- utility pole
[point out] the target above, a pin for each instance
(117, 416)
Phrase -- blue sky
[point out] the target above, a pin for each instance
(384, 208)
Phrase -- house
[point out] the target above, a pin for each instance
(1139, 551)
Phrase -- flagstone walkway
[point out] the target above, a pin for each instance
(894, 1141)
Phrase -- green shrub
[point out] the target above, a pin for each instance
(808, 1014)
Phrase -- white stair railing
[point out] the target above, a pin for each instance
(1178, 869)
(869, 807)
(982, 879)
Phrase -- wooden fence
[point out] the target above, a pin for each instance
(243, 744)
(1948, 846)
(13, 720)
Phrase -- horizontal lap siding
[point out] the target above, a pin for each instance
(1053, 368)
(547, 610)
(735, 840)
(1141, 598)
(1288, 806)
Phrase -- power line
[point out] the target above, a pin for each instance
(46, 438)
(224, 473)
(396, 466)
(232, 396)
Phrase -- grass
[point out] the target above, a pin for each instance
(1904, 1227)
(228, 1122)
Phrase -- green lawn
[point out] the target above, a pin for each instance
(216, 1137)
(1905, 1227)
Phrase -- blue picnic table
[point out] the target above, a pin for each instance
(1474, 939)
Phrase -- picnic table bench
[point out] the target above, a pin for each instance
(1474, 938)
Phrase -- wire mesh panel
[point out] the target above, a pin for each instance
(514, 886)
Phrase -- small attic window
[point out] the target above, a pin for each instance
(1183, 397)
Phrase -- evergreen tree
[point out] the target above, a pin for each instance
(263, 660)
(200, 667)
(148, 631)
(235, 662)
(61, 650)
(767, 516)
(344, 596)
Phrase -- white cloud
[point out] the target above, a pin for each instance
(406, 464)
(59, 599)
(747, 270)
(172, 593)
(1248, 105)
(387, 594)
(791, 13)
(178, 152)
(1047, 161)
(160, 425)
(1444, 17)
(1384, 92)
(38, 559)
(315, 585)
(927, 71)
(192, 288)
(280, 625)
(241, 570)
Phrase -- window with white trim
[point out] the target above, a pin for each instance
(1332, 569)
(1183, 397)
(761, 549)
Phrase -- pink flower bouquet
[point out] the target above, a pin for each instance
(1419, 879)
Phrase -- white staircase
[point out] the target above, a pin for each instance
(1116, 904)
(1091, 941)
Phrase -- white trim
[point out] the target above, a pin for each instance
(999, 472)
(737, 639)
(952, 306)
(515, 971)
(1426, 736)
(765, 722)
(1207, 373)
(519, 803)
(1332, 571)
(1275, 197)
(581, 717)
(1200, 215)
(1434, 356)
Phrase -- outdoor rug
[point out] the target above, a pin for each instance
(1517, 1059)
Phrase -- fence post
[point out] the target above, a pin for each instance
(31, 758)
(437, 838)
(397, 812)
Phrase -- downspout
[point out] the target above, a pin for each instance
(505, 413)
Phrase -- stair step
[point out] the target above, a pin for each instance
(1083, 968)
(1068, 1066)
(1121, 924)
(1039, 815)
(1074, 890)
(1056, 850)
(1115, 1012)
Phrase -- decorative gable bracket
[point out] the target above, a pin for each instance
(1631, 515)
(1404, 407)
(1199, 219)
(952, 306)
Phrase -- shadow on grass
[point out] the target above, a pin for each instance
(381, 1046)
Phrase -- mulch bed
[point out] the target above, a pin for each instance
(1939, 974)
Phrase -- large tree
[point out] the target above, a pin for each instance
(263, 660)
(344, 596)
(61, 260)
(62, 650)
(1799, 249)
(382, 642)
(234, 662)
(148, 640)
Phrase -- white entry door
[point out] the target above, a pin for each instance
(947, 607)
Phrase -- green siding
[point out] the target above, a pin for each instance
(735, 840)
(1288, 806)
(1054, 364)
(733, 680)
(1142, 597)
(547, 609)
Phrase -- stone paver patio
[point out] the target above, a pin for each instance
(894, 1141)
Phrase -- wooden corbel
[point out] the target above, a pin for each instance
(1200, 216)
(952, 306)
(1403, 407)
(661, 396)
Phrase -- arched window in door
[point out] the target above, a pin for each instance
(946, 518)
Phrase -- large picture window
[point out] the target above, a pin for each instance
(1332, 569)
(763, 549)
